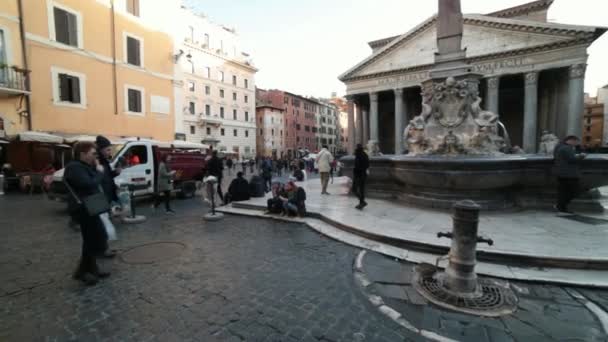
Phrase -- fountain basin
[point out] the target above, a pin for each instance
(501, 182)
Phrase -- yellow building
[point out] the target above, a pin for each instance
(13, 91)
(97, 67)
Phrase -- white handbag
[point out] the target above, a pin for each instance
(109, 226)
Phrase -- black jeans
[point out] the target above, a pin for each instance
(359, 187)
(157, 200)
(567, 189)
(94, 243)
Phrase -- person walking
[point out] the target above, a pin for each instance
(216, 169)
(229, 166)
(360, 175)
(324, 160)
(568, 173)
(84, 176)
(267, 174)
(104, 153)
(164, 183)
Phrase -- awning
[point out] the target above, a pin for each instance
(2, 141)
(39, 137)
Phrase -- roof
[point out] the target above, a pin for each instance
(387, 45)
(526, 8)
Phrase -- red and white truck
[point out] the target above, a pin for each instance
(139, 160)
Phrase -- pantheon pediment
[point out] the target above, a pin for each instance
(483, 35)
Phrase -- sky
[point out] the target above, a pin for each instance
(303, 46)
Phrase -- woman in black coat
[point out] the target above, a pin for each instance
(84, 175)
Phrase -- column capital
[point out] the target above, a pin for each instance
(578, 70)
(398, 92)
(531, 78)
(493, 82)
(373, 96)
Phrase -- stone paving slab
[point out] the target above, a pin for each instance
(563, 276)
(531, 234)
(544, 313)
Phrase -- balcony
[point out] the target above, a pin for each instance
(211, 120)
(12, 81)
(211, 139)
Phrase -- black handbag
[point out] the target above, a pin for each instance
(94, 204)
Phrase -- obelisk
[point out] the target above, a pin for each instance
(450, 57)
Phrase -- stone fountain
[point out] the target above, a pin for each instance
(459, 151)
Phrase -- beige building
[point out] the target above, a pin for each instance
(327, 119)
(270, 140)
(218, 87)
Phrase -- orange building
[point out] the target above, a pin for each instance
(96, 67)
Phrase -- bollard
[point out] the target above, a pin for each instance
(210, 185)
(460, 274)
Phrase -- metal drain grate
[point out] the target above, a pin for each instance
(495, 300)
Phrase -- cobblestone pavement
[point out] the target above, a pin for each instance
(239, 279)
(545, 312)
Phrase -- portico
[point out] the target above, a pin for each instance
(533, 77)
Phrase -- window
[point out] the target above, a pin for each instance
(234, 114)
(137, 155)
(234, 79)
(191, 67)
(133, 50)
(220, 76)
(261, 131)
(246, 99)
(246, 83)
(207, 110)
(222, 93)
(134, 101)
(246, 134)
(208, 130)
(69, 87)
(133, 7)
(192, 130)
(222, 112)
(3, 59)
(191, 29)
(191, 85)
(222, 132)
(68, 26)
(235, 133)
(206, 42)
(234, 96)
(207, 90)
(247, 116)
(192, 108)
(207, 72)
(272, 132)
(298, 127)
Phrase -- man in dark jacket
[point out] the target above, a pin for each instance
(216, 168)
(104, 153)
(568, 173)
(360, 175)
(238, 189)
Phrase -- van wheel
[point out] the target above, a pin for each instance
(188, 190)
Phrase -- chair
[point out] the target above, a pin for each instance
(37, 181)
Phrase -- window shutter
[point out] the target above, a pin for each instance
(64, 87)
(133, 56)
(136, 8)
(72, 23)
(61, 26)
(138, 101)
(75, 88)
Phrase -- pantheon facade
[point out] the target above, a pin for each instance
(533, 76)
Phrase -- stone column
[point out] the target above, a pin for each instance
(492, 94)
(576, 92)
(399, 119)
(373, 116)
(530, 112)
(351, 125)
(358, 124)
(365, 116)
